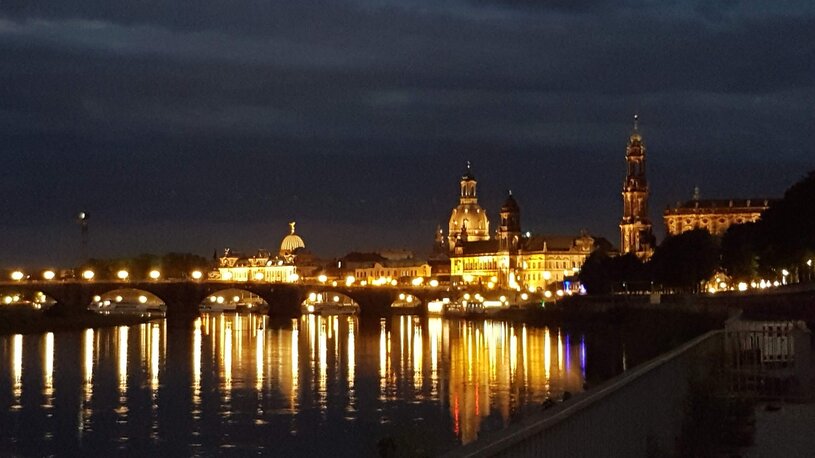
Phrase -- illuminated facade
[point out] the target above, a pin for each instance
(714, 215)
(386, 272)
(515, 260)
(635, 227)
(262, 267)
(468, 221)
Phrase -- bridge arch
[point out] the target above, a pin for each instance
(234, 299)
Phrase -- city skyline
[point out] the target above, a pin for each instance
(190, 129)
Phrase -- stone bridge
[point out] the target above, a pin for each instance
(184, 296)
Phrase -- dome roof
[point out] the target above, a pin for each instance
(510, 204)
(291, 242)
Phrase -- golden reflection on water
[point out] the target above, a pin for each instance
(48, 368)
(17, 369)
(474, 369)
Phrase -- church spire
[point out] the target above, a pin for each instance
(635, 225)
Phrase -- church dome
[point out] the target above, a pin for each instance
(510, 205)
(468, 217)
(291, 242)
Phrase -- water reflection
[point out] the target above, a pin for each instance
(312, 384)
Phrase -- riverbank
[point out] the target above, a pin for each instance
(30, 321)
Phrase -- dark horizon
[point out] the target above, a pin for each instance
(190, 129)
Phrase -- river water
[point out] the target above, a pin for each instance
(228, 384)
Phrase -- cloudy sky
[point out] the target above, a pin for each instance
(193, 125)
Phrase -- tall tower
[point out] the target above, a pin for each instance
(635, 227)
(468, 214)
(509, 241)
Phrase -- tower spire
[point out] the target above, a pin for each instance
(635, 227)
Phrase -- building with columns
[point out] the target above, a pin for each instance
(636, 234)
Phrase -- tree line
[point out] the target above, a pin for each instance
(780, 246)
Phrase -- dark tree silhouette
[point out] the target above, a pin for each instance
(683, 261)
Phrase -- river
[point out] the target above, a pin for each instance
(312, 386)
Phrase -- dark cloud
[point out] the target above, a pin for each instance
(360, 115)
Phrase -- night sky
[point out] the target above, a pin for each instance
(193, 125)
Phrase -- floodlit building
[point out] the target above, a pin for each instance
(714, 215)
(468, 221)
(636, 234)
(262, 266)
(516, 260)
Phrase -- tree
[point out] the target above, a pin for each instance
(683, 261)
(594, 274)
(739, 252)
(786, 237)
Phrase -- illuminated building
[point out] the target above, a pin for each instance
(468, 221)
(262, 267)
(402, 271)
(516, 260)
(714, 215)
(635, 227)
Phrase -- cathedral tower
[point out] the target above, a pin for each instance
(635, 227)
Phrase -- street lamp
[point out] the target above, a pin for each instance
(48, 275)
(122, 274)
(17, 275)
(154, 274)
(88, 275)
(196, 275)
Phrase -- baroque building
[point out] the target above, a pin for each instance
(263, 266)
(516, 260)
(714, 215)
(468, 221)
(636, 234)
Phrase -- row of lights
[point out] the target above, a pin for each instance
(49, 275)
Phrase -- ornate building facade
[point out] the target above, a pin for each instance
(636, 234)
(714, 215)
(263, 266)
(515, 260)
(468, 221)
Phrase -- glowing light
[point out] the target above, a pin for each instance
(227, 275)
(293, 278)
(48, 275)
(547, 294)
(118, 298)
(531, 289)
(809, 262)
(524, 296)
(467, 278)
(154, 274)
(196, 274)
(213, 298)
(785, 272)
(393, 282)
(122, 275)
(434, 283)
(435, 307)
(49, 361)
(312, 297)
(122, 358)
(17, 275)
(559, 293)
(417, 281)
(409, 299)
(154, 353)
(402, 296)
(310, 309)
(88, 357)
(259, 276)
(349, 280)
(322, 279)
(490, 285)
(88, 275)
(336, 298)
(742, 286)
(547, 275)
(220, 299)
(466, 296)
(142, 299)
(236, 298)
